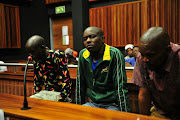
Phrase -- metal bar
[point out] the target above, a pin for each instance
(14, 64)
(24, 64)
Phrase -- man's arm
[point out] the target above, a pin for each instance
(80, 92)
(64, 82)
(120, 79)
(77, 90)
(38, 84)
(139, 79)
(144, 101)
(38, 79)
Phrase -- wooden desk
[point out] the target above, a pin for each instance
(12, 83)
(50, 110)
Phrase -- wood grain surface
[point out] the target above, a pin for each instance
(50, 110)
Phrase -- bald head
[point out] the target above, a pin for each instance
(35, 45)
(155, 47)
(155, 37)
(35, 41)
(96, 30)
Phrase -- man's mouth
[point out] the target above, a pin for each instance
(89, 46)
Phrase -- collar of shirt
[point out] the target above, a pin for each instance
(106, 55)
(174, 51)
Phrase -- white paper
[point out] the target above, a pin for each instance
(1, 114)
(64, 30)
(65, 40)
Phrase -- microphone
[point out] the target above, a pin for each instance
(25, 104)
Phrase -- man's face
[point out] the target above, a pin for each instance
(130, 52)
(92, 40)
(154, 58)
(36, 53)
(135, 51)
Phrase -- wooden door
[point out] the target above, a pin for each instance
(57, 23)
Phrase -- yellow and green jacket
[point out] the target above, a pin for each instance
(107, 83)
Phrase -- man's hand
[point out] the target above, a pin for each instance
(144, 101)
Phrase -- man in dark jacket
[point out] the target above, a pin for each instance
(101, 74)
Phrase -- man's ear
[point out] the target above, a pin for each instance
(43, 47)
(103, 38)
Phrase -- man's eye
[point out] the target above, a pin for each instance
(84, 38)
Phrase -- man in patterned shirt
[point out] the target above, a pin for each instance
(50, 68)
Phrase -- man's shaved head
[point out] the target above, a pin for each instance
(155, 37)
(35, 45)
(35, 41)
(155, 47)
(95, 29)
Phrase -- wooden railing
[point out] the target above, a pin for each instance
(12, 82)
(125, 23)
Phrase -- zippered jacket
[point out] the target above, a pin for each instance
(107, 83)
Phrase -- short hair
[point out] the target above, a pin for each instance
(98, 30)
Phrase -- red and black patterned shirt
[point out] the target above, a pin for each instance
(53, 74)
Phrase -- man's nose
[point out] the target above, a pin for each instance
(145, 59)
(88, 39)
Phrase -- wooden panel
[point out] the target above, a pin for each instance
(17, 29)
(129, 24)
(162, 14)
(118, 27)
(136, 24)
(2, 28)
(126, 22)
(55, 1)
(173, 20)
(138, 31)
(122, 25)
(16, 87)
(10, 27)
(57, 32)
(13, 82)
(113, 24)
(143, 16)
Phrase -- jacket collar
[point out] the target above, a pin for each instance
(175, 50)
(106, 55)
